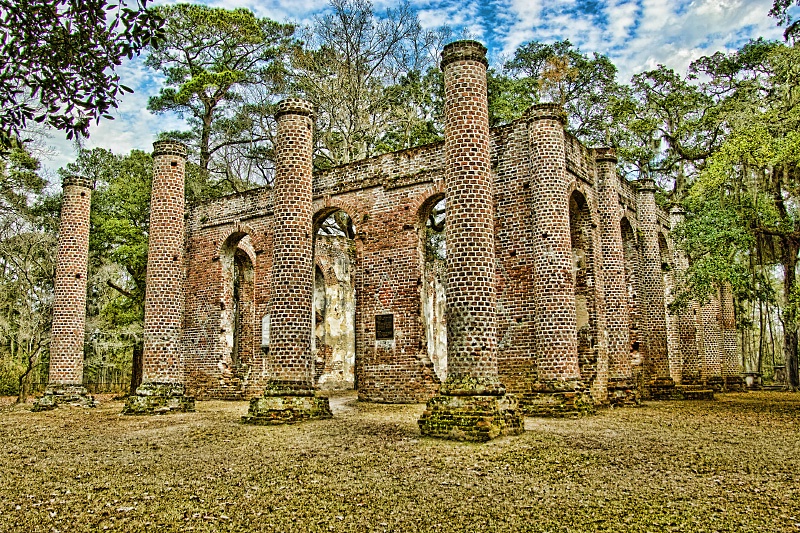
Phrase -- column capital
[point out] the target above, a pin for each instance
(463, 51)
(546, 111)
(168, 147)
(294, 106)
(78, 181)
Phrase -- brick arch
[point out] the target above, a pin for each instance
(234, 238)
(324, 207)
(426, 199)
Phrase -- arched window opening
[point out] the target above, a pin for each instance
(631, 255)
(237, 308)
(584, 277)
(333, 342)
(432, 291)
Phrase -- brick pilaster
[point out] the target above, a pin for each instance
(553, 285)
(614, 280)
(656, 362)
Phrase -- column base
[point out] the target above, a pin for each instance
(735, 384)
(694, 392)
(476, 418)
(158, 399)
(661, 389)
(717, 383)
(56, 395)
(557, 399)
(287, 403)
(622, 392)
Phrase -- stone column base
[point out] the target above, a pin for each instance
(662, 389)
(473, 418)
(622, 392)
(694, 392)
(158, 399)
(735, 384)
(287, 403)
(55, 395)
(557, 399)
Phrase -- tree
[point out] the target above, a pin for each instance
(57, 61)
(27, 259)
(559, 73)
(780, 10)
(354, 58)
(753, 177)
(214, 60)
(665, 127)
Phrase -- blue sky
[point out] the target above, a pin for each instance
(636, 34)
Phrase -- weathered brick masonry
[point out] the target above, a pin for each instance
(162, 387)
(572, 256)
(65, 381)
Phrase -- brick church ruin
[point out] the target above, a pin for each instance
(499, 273)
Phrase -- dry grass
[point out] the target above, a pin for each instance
(728, 465)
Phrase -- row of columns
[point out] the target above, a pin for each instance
(472, 403)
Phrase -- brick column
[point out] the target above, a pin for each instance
(621, 389)
(162, 387)
(559, 390)
(686, 320)
(289, 396)
(65, 382)
(654, 323)
(472, 404)
(731, 358)
(709, 343)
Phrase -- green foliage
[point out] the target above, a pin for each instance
(224, 69)
(57, 61)
(585, 86)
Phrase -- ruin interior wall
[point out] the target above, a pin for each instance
(388, 199)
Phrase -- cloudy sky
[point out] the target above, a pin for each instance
(636, 34)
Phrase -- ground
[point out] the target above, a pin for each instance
(728, 465)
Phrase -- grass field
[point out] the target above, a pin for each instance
(728, 465)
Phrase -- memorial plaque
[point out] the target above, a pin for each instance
(384, 327)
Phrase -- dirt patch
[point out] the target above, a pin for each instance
(727, 465)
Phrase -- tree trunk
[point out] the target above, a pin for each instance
(136, 368)
(790, 250)
(24, 381)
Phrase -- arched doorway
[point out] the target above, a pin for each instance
(333, 343)
(237, 310)
(583, 272)
(433, 287)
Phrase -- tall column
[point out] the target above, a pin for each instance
(710, 344)
(621, 388)
(655, 362)
(731, 358)
(686, 320)
(65, 382)
(162, 389)
(471, 404)
(289, 395)
(559, 390)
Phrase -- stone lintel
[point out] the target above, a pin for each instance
(473, 418)
(158, 398)
(58, 394)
